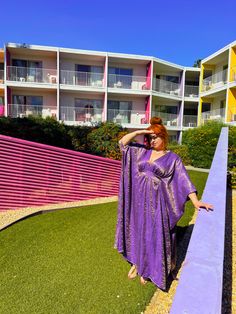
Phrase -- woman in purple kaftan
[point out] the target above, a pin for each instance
(154, 187)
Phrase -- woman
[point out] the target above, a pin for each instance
(154, 187)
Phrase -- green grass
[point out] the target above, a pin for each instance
(199, 180)
(64, 262)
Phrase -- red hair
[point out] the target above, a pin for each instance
(159, 129)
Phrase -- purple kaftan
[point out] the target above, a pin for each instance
(151, 201)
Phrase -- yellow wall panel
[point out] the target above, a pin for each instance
(231, 103)
(233, 65)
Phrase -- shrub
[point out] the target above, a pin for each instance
(103, 140)
(46, 131)
(182, 151)
(201, 143)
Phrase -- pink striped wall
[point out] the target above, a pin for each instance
(33, 174)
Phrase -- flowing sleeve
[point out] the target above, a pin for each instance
(180, 187)
(127, 191)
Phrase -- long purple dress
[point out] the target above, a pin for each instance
(151, 201)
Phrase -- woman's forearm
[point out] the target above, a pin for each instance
(128, 138)
(193, 198)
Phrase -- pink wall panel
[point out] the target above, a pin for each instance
(34, 174)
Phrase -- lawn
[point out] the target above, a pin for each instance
(64, 262)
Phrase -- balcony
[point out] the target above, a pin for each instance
(191, 91)
(31, 75)
(127, 82)
(217, 115)
(214, 81)
(190, 121)
(168, 119)
(21, 111)
(127, 116)
(1, 76)
(86, 79)
(83, 116)
(166, 87)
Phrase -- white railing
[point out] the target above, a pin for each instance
(31, 75)
(168, 119)
(1, 76)
(214, 81)
(81, 115)
(217, 114)
(191, 91)
(190, 121)
(127, 82)
(166, 87)
(127, 116)
(82, 78)
(17, 110)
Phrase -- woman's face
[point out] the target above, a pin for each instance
(156, 141)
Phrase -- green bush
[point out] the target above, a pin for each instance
(201, 143)
(182, 151)
(103, 140)
(233, 178)
(45, 131)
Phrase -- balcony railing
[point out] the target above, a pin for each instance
(81, 115)
(191, 91)
(214, 81)
(17, 110)
(1, 76)
(127, 116)
(166, 87)
(217, 114)
(31, 75)
(190, 121)
(89, 79)
(127, 82)
(168, 119)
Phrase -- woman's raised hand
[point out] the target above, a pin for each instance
(143, 132)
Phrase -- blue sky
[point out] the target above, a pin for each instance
(179, 31)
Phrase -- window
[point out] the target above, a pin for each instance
(169, 78)
(88, 109)
(167, 109)
(30, 70)
(88, 74)
(120, 77)
(26, 105)
(28, 100)
(119, 108)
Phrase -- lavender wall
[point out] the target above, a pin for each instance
(200, 286)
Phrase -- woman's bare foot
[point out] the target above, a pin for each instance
(143, 281)
(133, 272)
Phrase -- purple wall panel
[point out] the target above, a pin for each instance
(200, 286)
(37, 174)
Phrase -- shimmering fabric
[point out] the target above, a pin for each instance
(151, 201)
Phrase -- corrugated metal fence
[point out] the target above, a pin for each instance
(33, 174)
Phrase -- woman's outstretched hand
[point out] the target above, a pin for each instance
(199, 205)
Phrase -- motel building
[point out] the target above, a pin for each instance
(81, 87)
